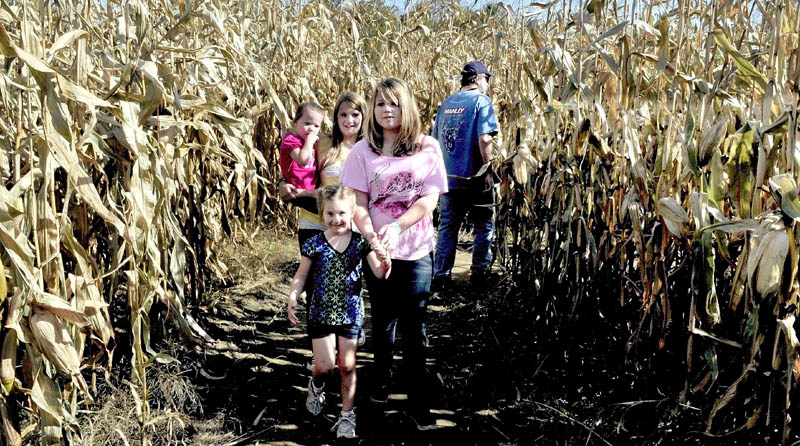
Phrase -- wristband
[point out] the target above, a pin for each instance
(399, 229)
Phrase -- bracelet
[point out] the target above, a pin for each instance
(399, 229)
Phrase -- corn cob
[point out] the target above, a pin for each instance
(57, 346)
(3, 283)
(8, 360)
(15, 308)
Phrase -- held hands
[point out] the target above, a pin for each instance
(384, 257)
(293, 310)
(375, 243)
(389, 235)
(380, 250)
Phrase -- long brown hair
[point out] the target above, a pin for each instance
(357, 102)
(399, 93)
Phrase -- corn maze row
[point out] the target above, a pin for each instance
(640, 141)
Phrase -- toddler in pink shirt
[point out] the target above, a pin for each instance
(297, 153)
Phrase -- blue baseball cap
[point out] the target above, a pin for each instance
(476, 67)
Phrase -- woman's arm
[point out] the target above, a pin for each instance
(286, 190)
(362, 219)
(311, 193)
(390, 234)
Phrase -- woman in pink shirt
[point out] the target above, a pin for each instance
(398, 174)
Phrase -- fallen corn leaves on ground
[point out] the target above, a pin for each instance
(498, 378)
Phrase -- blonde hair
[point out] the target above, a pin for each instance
(332, 193)
(410, 129)
(357, 102)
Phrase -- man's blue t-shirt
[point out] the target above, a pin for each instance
(461, 119)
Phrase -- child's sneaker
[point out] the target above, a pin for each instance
(345, 427)
(362, 338)
(316, 398)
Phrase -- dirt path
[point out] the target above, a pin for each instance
(255, 373)
(499, 375)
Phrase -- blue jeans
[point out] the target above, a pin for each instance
(401, 299)
(453, 208)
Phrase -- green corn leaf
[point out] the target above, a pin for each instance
(741, 175)
(744, 67)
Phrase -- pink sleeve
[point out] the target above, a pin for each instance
(436, 180)
(354, 171)
(291, 142)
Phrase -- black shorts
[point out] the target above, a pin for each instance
(318, 331)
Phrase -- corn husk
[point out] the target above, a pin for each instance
(766, 266)
(3, 283)
(8, 360)
(674, 215)
(57, 346)
(15, 308)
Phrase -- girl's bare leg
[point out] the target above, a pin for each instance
(324, 355)
(347, 368)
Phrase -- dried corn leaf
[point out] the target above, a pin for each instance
(674, 215)
(10, 432)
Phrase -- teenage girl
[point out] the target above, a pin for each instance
(398, 174)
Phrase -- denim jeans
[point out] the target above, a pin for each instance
(401, 300)
(453, 208)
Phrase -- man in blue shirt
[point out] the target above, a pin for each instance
(465, 127)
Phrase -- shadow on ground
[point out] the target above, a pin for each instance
(255, 373)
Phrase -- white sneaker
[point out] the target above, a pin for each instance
(346, 425)
(362, 338)
(310, 364)
(315, 398)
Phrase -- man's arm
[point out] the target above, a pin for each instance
(485, 145)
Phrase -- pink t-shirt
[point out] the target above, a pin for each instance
(302, 177)
(393, 184)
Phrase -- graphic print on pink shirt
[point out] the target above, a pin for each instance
(403, 189)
